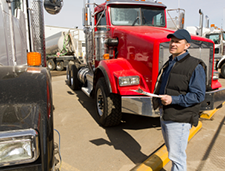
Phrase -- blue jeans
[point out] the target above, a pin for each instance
(176, 136)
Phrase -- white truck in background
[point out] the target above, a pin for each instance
(63, 45)
(217, 36)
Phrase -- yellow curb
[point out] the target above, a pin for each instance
(194, 130)
(160, 158)
(209, 114)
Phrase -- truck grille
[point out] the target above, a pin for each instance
(198, 49)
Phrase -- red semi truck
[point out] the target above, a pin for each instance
(126, 45)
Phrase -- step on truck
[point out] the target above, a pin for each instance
(126, 45)
(26, 110)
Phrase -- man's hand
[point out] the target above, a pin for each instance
(166, 99)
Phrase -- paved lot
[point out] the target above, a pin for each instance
(85, 146)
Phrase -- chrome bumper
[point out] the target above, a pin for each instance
(142, 105)
(213, 99)
(139, 105)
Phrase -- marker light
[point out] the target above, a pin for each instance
(130, 80)
(106, 56)
(86, 16)
(34, 59)
(182, 20)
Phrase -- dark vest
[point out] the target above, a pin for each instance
(177, 84)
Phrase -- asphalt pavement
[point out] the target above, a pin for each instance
(85, 146)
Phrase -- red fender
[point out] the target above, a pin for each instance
(113, 69)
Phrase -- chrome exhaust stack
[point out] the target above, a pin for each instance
(201, 22)
(207, 21)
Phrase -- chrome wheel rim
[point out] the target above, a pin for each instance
(100, 102)
(58, 66)
(67, 73)
(71, 80)
(50, 66)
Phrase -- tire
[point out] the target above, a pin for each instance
(223, 70)
(59, 65)
(74, 81)
(108, 106)
(68, 75)
(51, 64)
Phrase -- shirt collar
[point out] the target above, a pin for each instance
(179, 57)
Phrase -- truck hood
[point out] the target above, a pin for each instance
(146, 32)
(23, 97)
(19, 116)
(153, 34)
(146, 49)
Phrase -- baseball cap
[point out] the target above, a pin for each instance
(181, 34)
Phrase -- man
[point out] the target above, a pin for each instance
(181, 85)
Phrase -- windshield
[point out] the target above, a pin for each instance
(137, 15)
(214, 37)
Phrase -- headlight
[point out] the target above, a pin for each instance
(216, 75)
(130, 80)
(19, 146)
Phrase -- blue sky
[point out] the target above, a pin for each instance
(71, 13)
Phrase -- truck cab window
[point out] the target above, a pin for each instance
(153, 17)
(16, 6)
(136, 15)
(102, 21)
(214, 37)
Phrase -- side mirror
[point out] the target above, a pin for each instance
(181, 22)
(53, 6)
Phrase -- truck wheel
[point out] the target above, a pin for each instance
(68, 75)
(74, 82)
(108, 106)
(59, 65)
(223, 70)
(51, 64)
